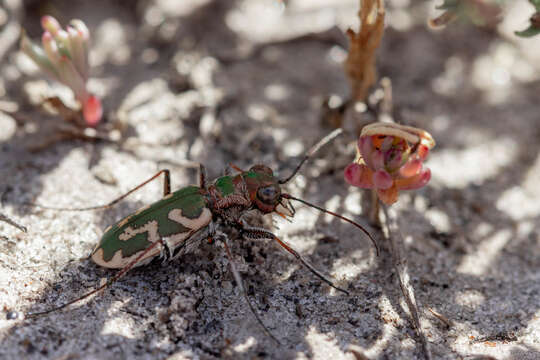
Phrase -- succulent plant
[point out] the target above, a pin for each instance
(390, 159)
(64, 57)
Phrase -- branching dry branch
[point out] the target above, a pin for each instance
(360, 63)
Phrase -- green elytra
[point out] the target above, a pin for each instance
(178, 214)
(188, 199)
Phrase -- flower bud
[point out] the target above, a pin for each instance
(389, 159)
(64, 57)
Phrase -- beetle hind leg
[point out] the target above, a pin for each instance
(166, 191)
(109, 282)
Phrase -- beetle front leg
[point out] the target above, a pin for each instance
(239, 282)
(259, 234)
(236, 168)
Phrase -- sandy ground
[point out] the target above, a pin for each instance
(243, 81)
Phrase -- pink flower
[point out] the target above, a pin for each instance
(64, 57)
(389, 159)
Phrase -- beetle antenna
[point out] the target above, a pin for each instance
(325, 140)
(290, 197)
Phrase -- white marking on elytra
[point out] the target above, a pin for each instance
(202, 220)
(194, 224)
(150, 227)
(118, 261)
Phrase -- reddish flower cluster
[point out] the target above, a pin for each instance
(64, 57)
(389, 159)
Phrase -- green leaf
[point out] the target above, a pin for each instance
(536, 4)
(530, 32)
(450, 5)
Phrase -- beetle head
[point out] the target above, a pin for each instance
(265, 192)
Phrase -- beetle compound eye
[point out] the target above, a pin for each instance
(268, 194)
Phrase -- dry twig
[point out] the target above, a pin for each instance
(360, 63)
(395, 239)
(442, 318)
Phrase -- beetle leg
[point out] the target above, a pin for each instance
(109, 282)
(240, 283)
(234, 167)
(166, 191)
(4, 218)
(188, 244)
(259, 233)
(166, 252)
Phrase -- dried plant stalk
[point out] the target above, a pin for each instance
(360, 63)
(395, 239)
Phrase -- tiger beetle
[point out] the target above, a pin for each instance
(187, 216)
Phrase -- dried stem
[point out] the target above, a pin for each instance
(387, 102)
(395, 239)
(374, 209)
(360, 63)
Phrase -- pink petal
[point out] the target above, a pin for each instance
(387, 143)
(411, 168)
(50, 24)
(422, 152)
(81, 28)
(414, 182)
(388, 196)
(92, 111)
(382, 180)
(365, 147)
(359, 175)
(376, 160)
(393, 159)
